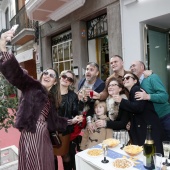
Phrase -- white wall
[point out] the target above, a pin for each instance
(10, 4)
(133, 17)
(92, 50)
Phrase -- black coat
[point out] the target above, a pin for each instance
(142, 114)
(120, 122)
(34, 98)
(69, 108)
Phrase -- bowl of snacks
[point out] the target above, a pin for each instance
(122, 164)
(94, 152)
(111, 142)
(133, 150)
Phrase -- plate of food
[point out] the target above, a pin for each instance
(122, 164)
(111, 142)
(133, 150)
(94, 152)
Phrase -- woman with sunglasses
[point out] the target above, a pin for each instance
(37, 111)
(68, 109)
(142, 114)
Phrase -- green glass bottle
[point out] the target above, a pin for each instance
(148, 150)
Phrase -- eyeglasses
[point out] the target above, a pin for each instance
(127, 78)
(68, 78)
(46, 73)
(112, 85)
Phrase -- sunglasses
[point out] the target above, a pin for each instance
(68, 78)
(127, 78)
(46, 73)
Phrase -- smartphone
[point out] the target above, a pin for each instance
(14, 27)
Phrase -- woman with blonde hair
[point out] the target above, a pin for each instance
(99, 134)
(68, 109)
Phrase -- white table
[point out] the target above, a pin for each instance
(86, 162)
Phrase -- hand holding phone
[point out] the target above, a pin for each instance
(13, 29)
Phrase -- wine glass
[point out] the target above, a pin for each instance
(105, 148)
(91, 94)
(166, 148)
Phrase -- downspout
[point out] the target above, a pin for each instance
(40, 42)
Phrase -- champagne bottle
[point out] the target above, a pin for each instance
(148, 150)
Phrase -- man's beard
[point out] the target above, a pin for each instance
(91, 80)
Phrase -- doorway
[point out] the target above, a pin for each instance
(98, 52)
(158, 53)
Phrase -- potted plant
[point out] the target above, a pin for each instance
(8, 103)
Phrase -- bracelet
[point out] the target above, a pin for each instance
(89, 119)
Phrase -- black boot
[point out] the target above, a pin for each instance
(67, 166)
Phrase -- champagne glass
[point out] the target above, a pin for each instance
(84, 93)
(166, 148)
(122, 138)
(157, 157)
(105, 148)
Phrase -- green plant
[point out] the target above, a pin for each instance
(8, 103)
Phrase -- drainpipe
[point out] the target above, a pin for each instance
(40, 49)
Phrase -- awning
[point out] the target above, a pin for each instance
(25, 56)
(45, 10)
(66, 9)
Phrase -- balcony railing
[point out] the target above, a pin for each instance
(23, 21)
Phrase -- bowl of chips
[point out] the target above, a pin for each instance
(111, 142)
(94, 152)
(133, 150)
(122, 164)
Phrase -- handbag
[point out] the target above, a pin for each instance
(64, 149)
(55, 139)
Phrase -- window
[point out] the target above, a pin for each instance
(97, 27)
(62, 55)
(7, 19)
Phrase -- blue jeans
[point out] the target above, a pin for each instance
(165, 121)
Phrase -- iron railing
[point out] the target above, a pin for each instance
(23, 21)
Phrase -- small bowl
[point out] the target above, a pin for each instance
(133, 150)
(111, 142)
(122, 164)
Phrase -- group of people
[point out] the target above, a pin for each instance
(128, 100)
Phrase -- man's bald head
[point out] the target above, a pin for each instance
(137, 67)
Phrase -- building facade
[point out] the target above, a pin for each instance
(92, 32)
(146, 35)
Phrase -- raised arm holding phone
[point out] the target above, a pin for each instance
(37, 113)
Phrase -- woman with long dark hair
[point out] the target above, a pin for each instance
(37, 113)
(142, 114)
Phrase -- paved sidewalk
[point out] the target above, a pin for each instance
(12, 138)
(9, 138)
